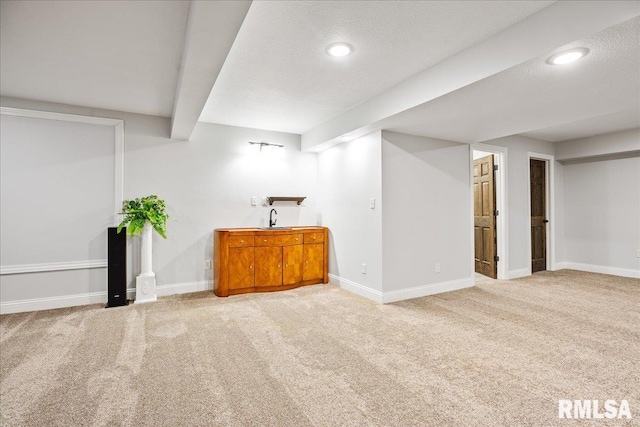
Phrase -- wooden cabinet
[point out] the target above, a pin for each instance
(313, 261)
(268, 266)
(255, 260)
(241, 273)
(292, 259)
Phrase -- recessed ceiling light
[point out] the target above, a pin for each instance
(339, 49)
(568, 56)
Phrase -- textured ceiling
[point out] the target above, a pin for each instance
(104, 54)
(535, 95)
(615, 122)
(277, 75)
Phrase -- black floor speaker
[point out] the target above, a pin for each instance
(117, 267)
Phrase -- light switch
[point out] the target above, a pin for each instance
(372, 203)
(254, 201)
(207, 264)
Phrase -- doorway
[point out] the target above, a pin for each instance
(538, 202)
(484, 215)
(489, 233)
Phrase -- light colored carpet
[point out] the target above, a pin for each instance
(501, 353)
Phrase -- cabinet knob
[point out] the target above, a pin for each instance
(314, 237)
(241, 241)
(278, 265)
(296, 239)
(286, 265)
(265, 240)
(306, 262)
(251, 267)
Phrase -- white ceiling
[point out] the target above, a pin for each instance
(542, 100)
(461, 70)
(608, 123)
(278, 76)
(119, 55)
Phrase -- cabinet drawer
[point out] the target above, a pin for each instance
(314, 237)
(282, 240)
(240, 241)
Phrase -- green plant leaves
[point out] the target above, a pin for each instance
(138, 211)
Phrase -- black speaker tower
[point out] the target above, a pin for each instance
(117, 268)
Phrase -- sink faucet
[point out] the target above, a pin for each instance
(272, 222)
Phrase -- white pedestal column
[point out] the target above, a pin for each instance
(146, 280)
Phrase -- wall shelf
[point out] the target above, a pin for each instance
(271, 199)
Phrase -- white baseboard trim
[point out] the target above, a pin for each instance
(52, 266)
(424, 290)
(356, 288)
(49, 303)
(516, 274)
(400, 294)
(176, 288)
(614, 271)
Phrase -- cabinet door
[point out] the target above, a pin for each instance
(269, 266)
(292, 257)
(241, 270)
(313, 261)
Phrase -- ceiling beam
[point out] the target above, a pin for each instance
(211, 29)
(541, 32)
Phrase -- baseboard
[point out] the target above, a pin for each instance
(401, 294)
(37, 304)
(356, 288)
(425, 290)
(614, 271)
(176, 288)
(516, 274)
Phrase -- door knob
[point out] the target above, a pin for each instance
(545, 221)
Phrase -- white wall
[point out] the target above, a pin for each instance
(207, 183)
(57, 190)
(517, 195)
(349, 176)
(602, 208)
(426, 216)
(601, 198)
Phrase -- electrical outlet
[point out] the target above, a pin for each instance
(364, 269)
(254, 201)
(438, 268)
(207, 264)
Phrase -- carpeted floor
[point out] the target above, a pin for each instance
(501, 353)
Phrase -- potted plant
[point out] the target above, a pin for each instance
(140, 216)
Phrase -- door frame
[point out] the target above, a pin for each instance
(502, 230)
(549, 179)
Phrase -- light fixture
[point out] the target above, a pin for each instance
(339, 49)
(567, 56)
(265, 145)
(266, 149)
